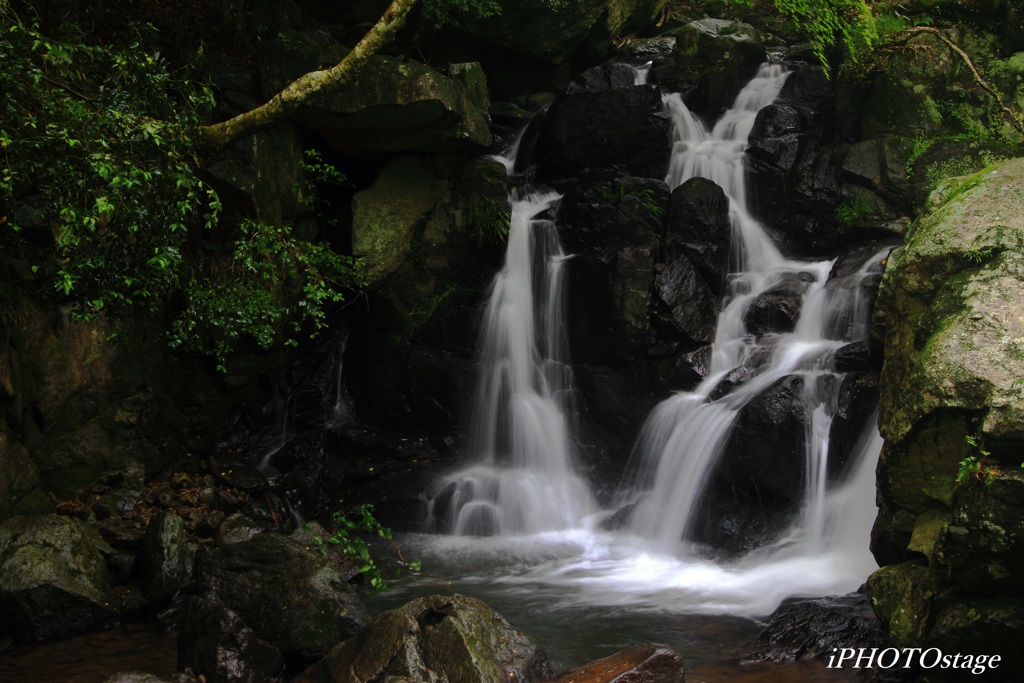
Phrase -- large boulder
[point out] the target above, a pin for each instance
(434, 639)
(53, 579)
(385, 231)
(292, 599)
(165, 559)
(811, 628)
(950, 398)
(700, 227)
(790, 160)
(395, 105)
(623, 130)
(711, 61)
(555, 31)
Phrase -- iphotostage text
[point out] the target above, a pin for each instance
(909, 657)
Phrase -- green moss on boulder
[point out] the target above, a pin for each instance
(53, 579)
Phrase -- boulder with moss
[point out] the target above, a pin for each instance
(295, 603)
(53, 579)
(952, 415)
(434, 639)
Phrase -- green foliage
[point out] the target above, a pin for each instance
(493, 219)
(346, 535)
(827, 22)
(271, 286)
(642, 196)
(451, 12)
(854, 209)
(100, 192)
(977, 468)
(97, 160)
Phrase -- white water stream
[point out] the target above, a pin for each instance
(542, 527)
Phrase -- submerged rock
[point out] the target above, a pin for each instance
(216, 642)
(433, 640)
(810, 628)
(53, 579)
(637, 664)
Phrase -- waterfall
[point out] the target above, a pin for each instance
(522, 492)
(520, 435)
(683, 439)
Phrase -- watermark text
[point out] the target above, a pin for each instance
(909, 657)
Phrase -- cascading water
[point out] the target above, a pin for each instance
(684, 437)
(545, 545)
(520, 433)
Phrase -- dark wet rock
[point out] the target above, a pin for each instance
(624, 130)
(436, 638)
(623, 212)
(120, 533)
(711, 61)
(699, 226)
(730, 522)
(615, 397)
(790, 162)
(777, 309)
(811, 628)
(165, 559)
(854, 413)
(395, 105)
(603, 77)
(53, 578)
(633, 665)
(686, 370)
(685, 308)
(239, 475)
(217, 644)
(289, 596)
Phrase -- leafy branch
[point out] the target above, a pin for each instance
(346, 536)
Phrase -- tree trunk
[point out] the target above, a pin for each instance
(220, 135)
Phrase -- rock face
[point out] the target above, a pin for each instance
(436, 639)
(950, 392)
(53, 579)
(262, 602)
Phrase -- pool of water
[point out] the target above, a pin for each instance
(584, 595)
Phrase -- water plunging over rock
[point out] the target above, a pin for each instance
(757, 426)
(520, 431)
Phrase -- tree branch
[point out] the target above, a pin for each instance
(220, 135)
(1014, 117)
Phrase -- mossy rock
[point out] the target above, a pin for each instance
(981, 549)
(440, 638)
(950, 299)
(395, 105)
(390, 217)
(53, 579)
(292, 598)
(902, 596)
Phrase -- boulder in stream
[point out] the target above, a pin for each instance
(297, 602)
(53, 578)
(431, 640)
